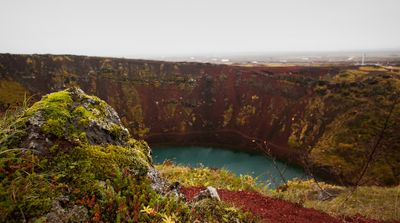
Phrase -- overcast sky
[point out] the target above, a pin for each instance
(179, 27)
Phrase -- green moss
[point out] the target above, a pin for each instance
(84, 115)
(144, 147)
(55, 107)
(116, 130)
(107, 158)
(51, 102)
(56, 127)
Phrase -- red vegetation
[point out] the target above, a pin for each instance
(274, 210)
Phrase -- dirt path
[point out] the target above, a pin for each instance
(275, 210)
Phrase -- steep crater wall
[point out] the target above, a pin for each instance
(193, 103)
(180, 103)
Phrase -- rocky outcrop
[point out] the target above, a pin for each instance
(73, 116)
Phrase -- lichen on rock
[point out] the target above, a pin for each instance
(76, 117)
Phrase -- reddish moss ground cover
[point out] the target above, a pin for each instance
(275, 210)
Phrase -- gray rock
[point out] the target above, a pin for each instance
(105, 127)
(35, 141)
(162, 186)
(209, 192)
(37, 119)
(159, 184)
(99, 130)
(58, 214)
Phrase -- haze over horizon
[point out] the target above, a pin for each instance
(180, 27)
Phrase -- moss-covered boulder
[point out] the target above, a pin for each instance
(68, 145)
(73, 117)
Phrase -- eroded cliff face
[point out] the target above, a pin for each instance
(292, 108)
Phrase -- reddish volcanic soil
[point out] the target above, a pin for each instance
(274, 210)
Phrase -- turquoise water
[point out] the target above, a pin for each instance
(235, 161)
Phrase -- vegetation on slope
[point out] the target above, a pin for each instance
(205, 176)
(374, 202)
(11, 93)
(354, 113)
